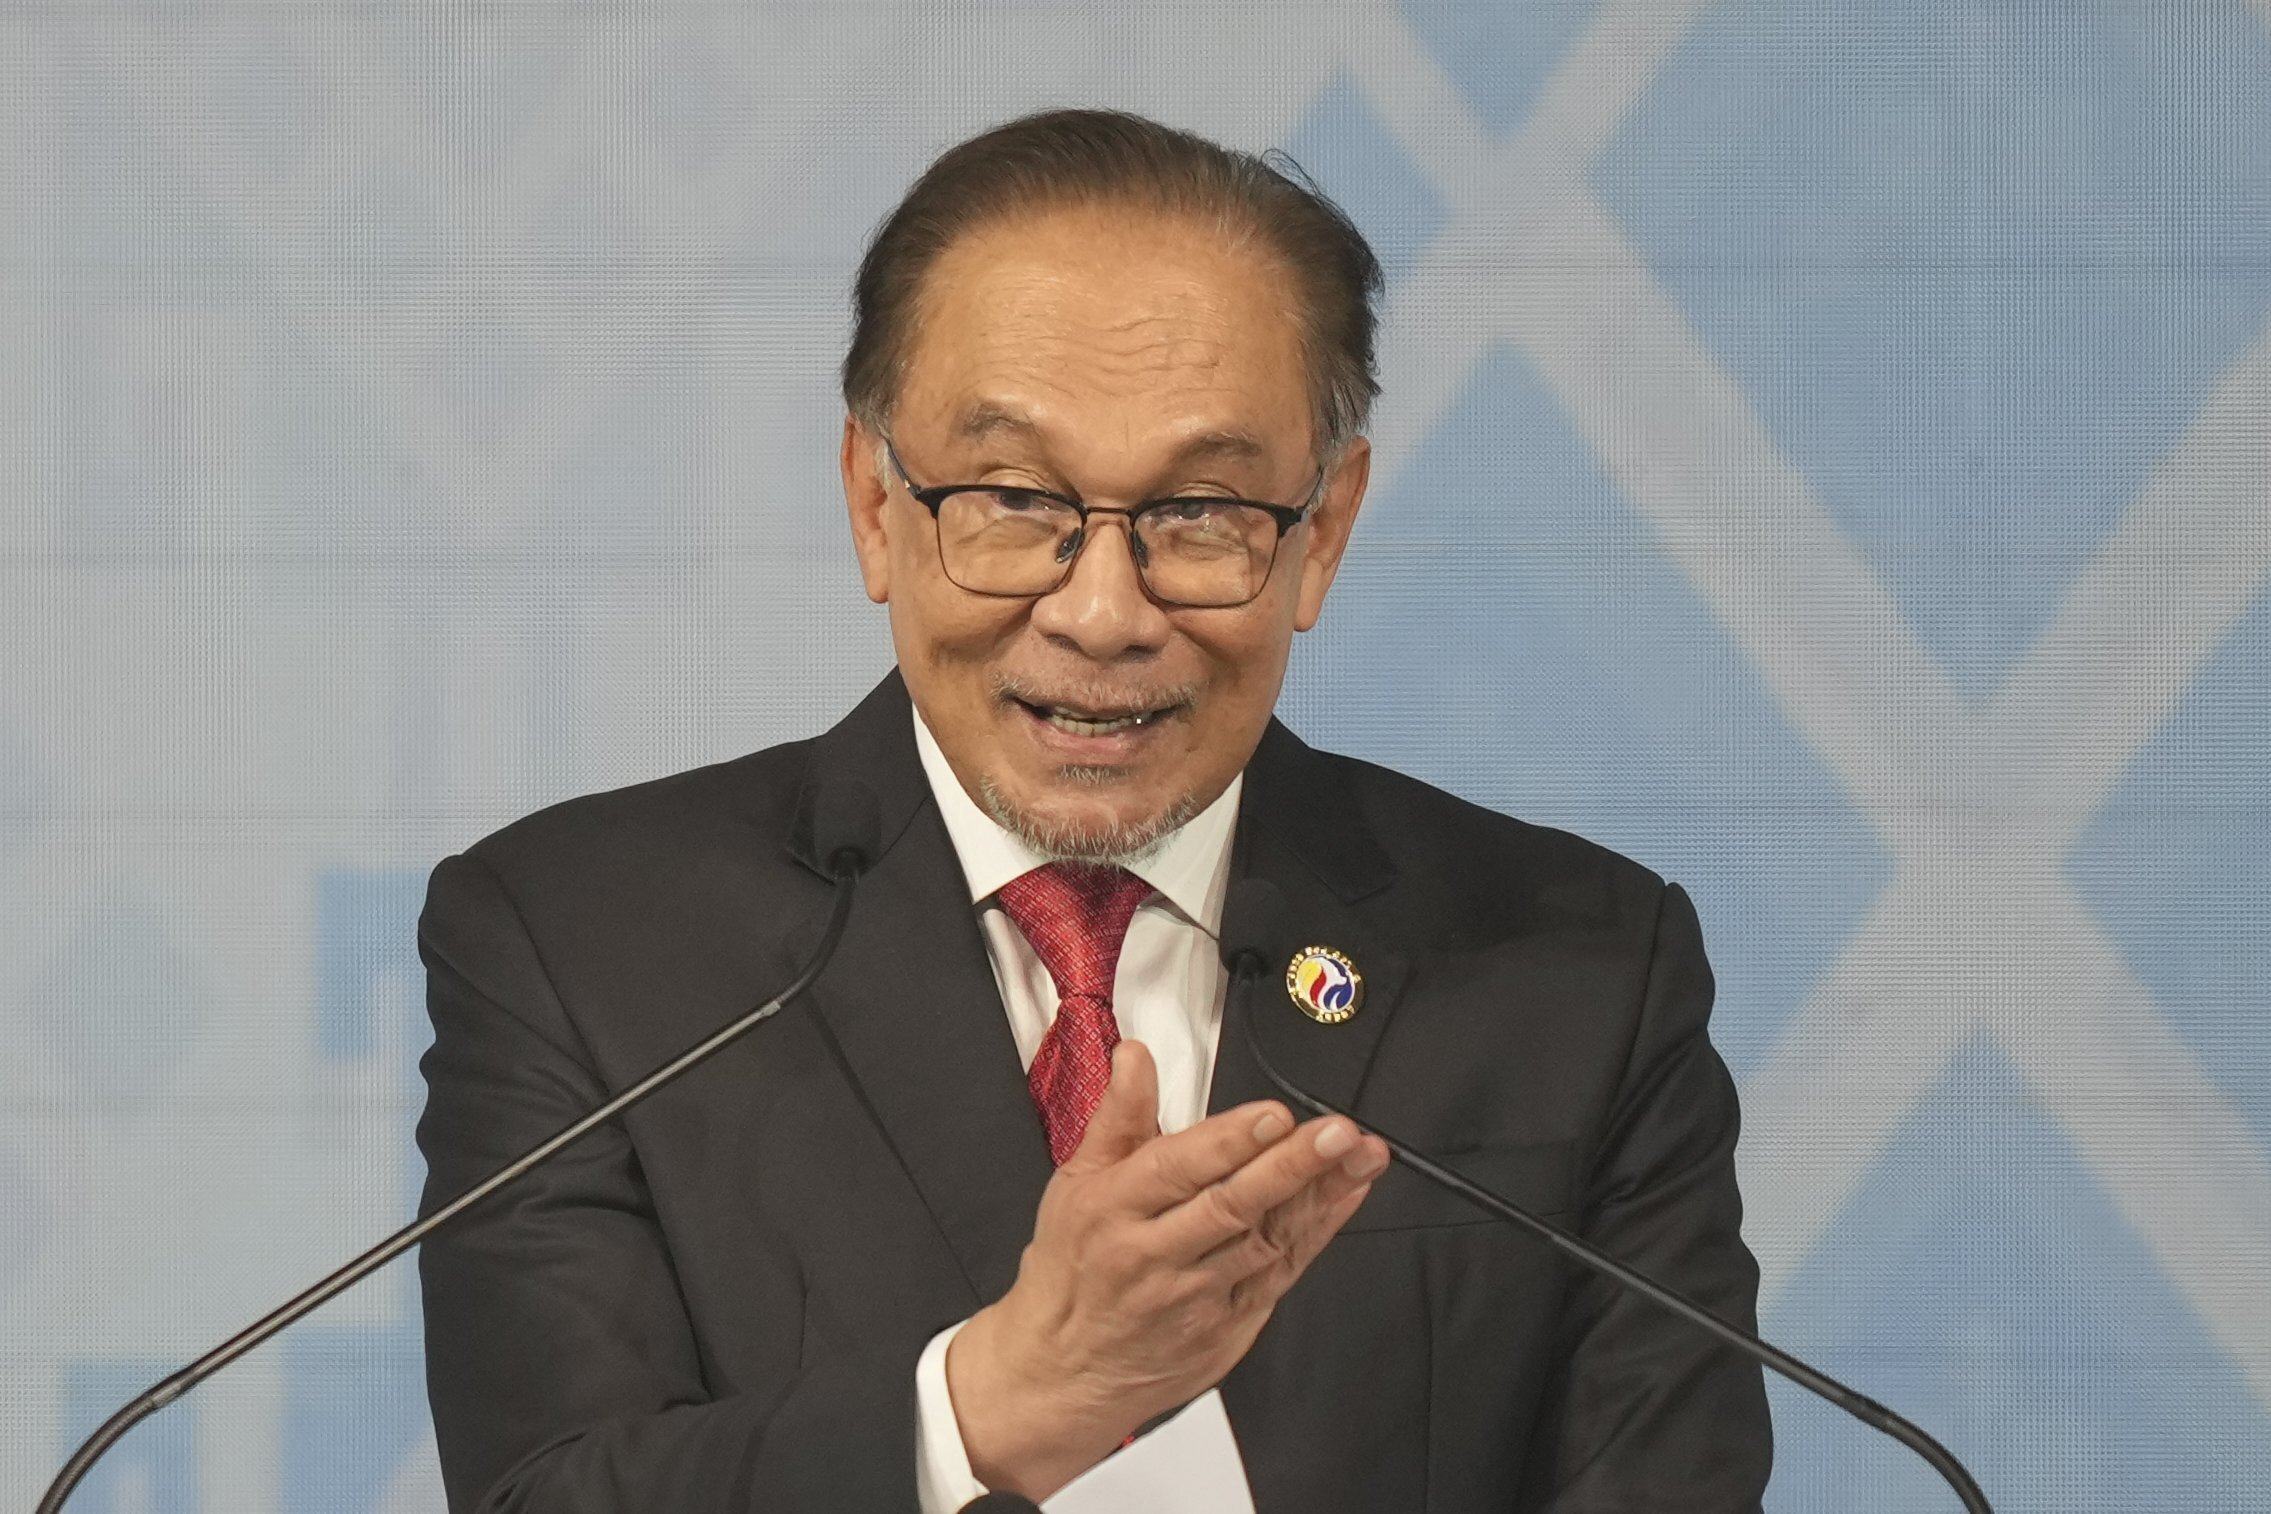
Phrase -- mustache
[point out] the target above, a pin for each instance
(1093, 697)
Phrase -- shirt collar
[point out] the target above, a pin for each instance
(1190, 869)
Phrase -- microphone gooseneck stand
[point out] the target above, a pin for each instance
(1254, 903)
(846, 862)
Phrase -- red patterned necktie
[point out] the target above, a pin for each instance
(1076, 915)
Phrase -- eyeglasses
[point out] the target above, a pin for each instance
(1201, 551)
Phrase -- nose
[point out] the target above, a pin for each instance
(1101, 610)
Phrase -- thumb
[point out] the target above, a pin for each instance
(1128, 1114)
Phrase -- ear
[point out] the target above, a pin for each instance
(866, 491)
(1329, 525)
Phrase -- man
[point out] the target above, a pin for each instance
(1004, 1188)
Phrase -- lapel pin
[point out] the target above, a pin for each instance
(1324, 984)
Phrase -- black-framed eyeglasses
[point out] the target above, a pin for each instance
(1202, 551)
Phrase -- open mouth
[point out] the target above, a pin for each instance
(1076, 721)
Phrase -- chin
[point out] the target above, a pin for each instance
(1100, 829)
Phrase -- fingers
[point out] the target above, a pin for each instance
(1128, 1114)
(1244, 1196)
(1257, 1268)
(1172, 1169)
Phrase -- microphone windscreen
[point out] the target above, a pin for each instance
(1001, 1503)
(1257, 925)
(846, 831)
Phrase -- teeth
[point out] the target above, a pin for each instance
(1065, 721)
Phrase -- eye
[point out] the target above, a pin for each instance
(1197, 508)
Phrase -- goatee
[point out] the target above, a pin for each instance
(1118, 845)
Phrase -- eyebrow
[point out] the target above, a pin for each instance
(981, 420)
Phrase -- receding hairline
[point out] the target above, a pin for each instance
(1053, 161)
(982, 418)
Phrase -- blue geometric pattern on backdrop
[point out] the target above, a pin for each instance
(1340, 141)
(154, 1465)
(1857, 203)
(355, 1406)
(2177, 868)
(1525, 643)
(412, 416)
(338, 471)
(122, 1001)
(365, 934)
(114, 168)
(27, 1199)
(1977, 1189)
(26, 788)
(367, 973)
(1500, 55)
(262, 95)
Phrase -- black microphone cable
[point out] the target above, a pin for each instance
(1257, 930)
(844, 829)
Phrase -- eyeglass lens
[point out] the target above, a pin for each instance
(1200, 552)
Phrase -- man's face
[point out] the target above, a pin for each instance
(1114, 356)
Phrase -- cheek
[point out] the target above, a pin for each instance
(936, 624)
(1245, 668)
(1245, 649)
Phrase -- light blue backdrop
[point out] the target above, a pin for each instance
(1823, 454)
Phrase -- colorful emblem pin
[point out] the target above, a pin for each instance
(1324, 984)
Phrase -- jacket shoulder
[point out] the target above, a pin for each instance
(659, 825)
(1479, 873)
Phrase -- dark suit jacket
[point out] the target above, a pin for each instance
(718, 1304)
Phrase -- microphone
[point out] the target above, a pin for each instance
(1258, 931)
(1000, 1503)
(846, 836)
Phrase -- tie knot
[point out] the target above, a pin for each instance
(1076, 916)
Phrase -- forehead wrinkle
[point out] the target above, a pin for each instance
(1093, 354)
(1014, 395)
(983, 418)
(980, 419)
(1042, 343)
(1143, 330)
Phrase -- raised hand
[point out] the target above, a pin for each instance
(1155, 1261)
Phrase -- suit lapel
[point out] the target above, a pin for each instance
(911, 1002)
(1299, 828)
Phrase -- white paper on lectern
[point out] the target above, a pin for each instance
(1189, 1464)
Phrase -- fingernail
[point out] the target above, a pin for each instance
(1364, 1163)
(1270, 1126)
(1337, 1137)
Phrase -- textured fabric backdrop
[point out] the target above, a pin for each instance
(1823, 454)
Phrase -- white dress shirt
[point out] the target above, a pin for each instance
(1166, 992)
